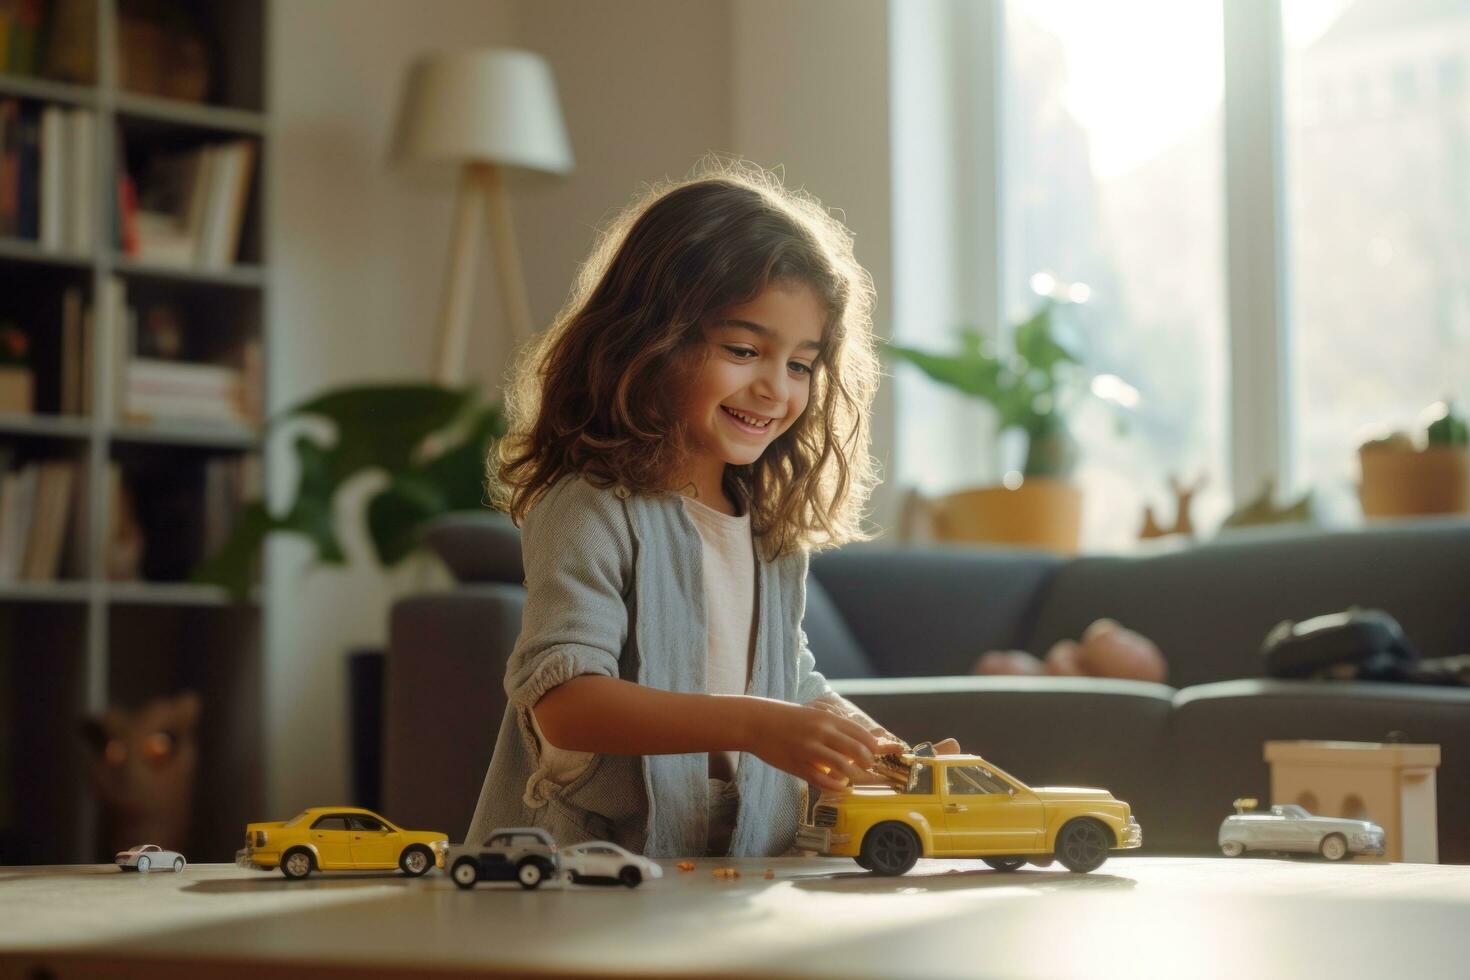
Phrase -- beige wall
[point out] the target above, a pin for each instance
(647, 87)
(357, 254)
(810, 88)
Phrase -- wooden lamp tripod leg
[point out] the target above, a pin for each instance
(481, 192)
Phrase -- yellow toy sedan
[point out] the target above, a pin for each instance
(962, 806)
(340, 838)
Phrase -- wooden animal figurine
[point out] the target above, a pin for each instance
(1183, 500)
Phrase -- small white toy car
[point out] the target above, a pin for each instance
(1288, 827)
(601, 863)
(150, 857)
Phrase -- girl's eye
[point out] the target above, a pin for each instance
(739, 352)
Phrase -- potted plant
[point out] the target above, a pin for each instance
(430, 441)
(1402, 479)
(1033, 388)
(17, 385)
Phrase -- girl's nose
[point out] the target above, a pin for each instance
(771, 387)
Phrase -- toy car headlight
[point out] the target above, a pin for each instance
(259, 838)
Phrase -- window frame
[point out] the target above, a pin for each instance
(1261, 431)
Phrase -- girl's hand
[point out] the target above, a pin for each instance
(818, 746)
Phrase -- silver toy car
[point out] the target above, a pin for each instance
(1288, 827)
(150, 857)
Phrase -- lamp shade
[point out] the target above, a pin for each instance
(488, 105)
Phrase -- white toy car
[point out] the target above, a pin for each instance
(150, 857)
(601, 863)
(1288, 827)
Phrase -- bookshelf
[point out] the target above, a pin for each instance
(97, 631)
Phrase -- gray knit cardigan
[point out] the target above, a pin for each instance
(615, 587)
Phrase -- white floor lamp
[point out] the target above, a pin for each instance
(489, 111)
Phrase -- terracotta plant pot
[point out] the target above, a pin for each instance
(17, 390)
(1402, 482)
(1040, 513)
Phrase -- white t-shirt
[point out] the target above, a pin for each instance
(729, 592)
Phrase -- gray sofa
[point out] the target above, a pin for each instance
(896, 629)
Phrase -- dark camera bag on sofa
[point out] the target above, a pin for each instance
(1360, 644)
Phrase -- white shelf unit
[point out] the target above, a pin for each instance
(74, 647)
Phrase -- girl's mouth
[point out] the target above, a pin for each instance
(744, 426)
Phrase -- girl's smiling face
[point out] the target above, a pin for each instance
(755, 380)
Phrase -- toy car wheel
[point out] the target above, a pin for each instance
(1006, 863)
(415, 860)
(1082, 845)
(863, 863)
(631, 877)
(144, 863)
(890, 848)
(530, 873)
(1232, 848)
(465, 873)
(178, 864)
(296, 864)
(1334, 848)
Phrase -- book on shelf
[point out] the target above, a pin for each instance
(156, 389)
(73, 382)
(230, 482)
(22, 25)
(47, 159)
(122, 553)
(37, 502)
(9, 167)
(80, 203)
(189, 206)
(51, 38)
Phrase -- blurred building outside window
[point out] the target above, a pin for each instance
(1376, 120)
(1111, 154)
(1111, 159)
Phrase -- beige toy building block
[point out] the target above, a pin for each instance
(1391, 784)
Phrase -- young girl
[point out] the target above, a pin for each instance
(690, 428)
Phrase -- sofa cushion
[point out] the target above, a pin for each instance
(837, 652)
(1209, 608)
(931, 611)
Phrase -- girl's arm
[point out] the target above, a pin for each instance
(593, 713)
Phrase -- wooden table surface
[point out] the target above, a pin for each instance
(1134, 917)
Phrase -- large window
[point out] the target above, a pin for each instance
(1112, 177)
(1377, 129)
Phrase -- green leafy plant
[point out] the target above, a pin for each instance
(1032, 388)
(1447, 427)
(430, 441)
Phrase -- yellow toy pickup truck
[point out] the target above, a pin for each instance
(338, 838)
(960, 806)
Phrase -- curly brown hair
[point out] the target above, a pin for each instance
(594, 394)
